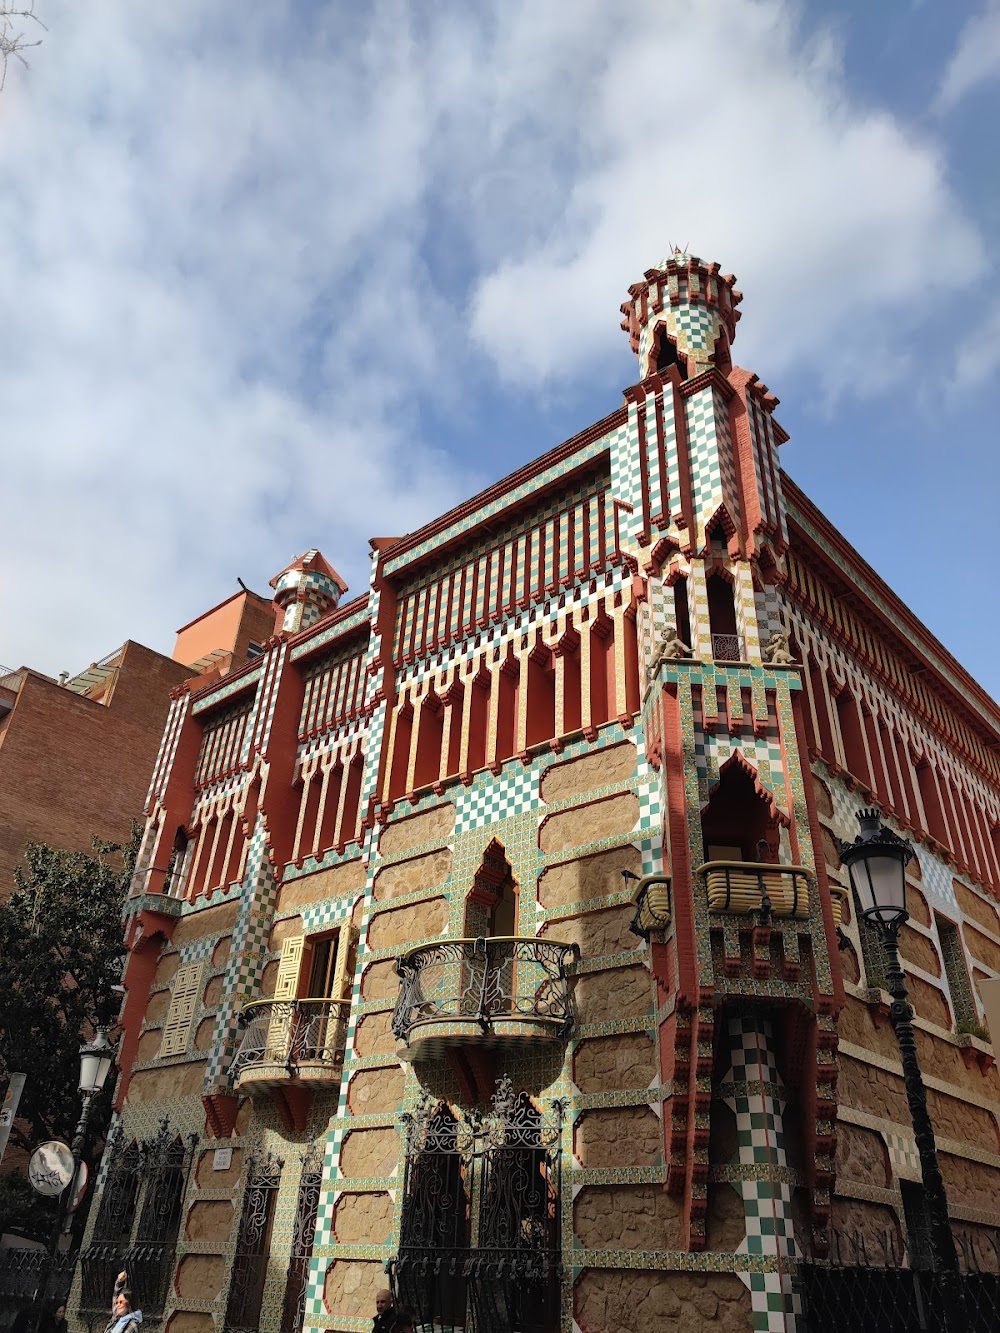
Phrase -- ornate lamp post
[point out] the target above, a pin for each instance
(96, 1060)
(876, 861)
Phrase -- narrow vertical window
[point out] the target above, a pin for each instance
(682, 613)
(726, 643)
(253, 1244)
(303, 1235)
(963, 1005)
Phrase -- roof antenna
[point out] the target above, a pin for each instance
(242, 584)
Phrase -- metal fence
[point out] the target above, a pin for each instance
(863, 1288)
(898, 1300)
(23, 1275)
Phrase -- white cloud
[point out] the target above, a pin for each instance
(242, 252)
(979, 354)
(975, 60)
(723, 125)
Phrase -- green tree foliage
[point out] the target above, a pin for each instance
(61, 952)
(23, 1211)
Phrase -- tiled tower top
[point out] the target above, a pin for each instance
(308, 588)
(688, 303)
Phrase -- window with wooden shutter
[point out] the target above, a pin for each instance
(342, 978)
(286, 986)
(183, 1002)
(286, 990)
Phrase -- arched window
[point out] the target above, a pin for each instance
(491, 904)
(667, 354)
(682, 613)
(739, 823)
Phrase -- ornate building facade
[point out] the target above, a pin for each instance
(392, 1007)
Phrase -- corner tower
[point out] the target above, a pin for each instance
(683, 313)
(745, 966)
(306, 590)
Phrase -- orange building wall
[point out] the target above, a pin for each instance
(243, 619)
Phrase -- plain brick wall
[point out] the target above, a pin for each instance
(71, 768)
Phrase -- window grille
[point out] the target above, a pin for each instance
(963, 1004)
(253, 1244)
(479, 1237)
(303, 1234)
(138, 1220)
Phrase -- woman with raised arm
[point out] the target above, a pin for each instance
(123, 1318)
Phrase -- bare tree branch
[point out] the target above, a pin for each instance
(15, 31)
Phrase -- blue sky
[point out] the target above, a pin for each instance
(289, 275)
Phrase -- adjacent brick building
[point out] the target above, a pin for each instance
(383, 980)
(76, 754)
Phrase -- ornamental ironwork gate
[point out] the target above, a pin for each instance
(434, 1229)
(154, 1174)
(303, 1233)
(253, 1244)
(479, 1238)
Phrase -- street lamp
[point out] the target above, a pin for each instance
(96, 1059)
(876, 861)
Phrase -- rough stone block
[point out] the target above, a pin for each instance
(602, 1064)
(589, 823)
(616, 763)
(418, 830)
(369, 1153)
(363, 1219)
(588, 878)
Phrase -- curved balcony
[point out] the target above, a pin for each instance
(488, 992)
(297, 1042)
(741, 887)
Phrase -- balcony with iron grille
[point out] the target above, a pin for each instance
(489, 992)
(296, 1043)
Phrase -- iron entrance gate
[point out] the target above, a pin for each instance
(479, 1240)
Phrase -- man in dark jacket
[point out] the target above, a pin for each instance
(385, 1314)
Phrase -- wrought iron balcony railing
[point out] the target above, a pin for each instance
(508, 987)
(754, 886)
(291, 1041)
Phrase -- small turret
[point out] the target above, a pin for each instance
(682, 314)
(306, 590)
